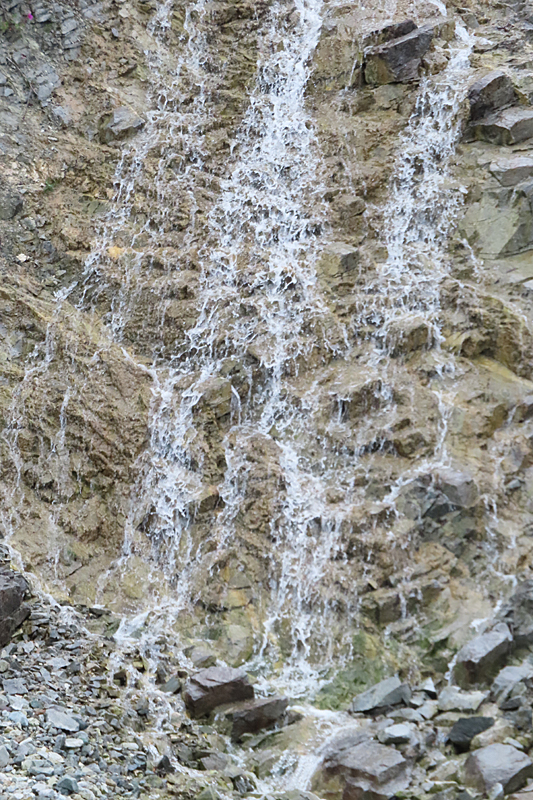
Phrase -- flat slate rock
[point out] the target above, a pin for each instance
(215, 686)
(62, 720)
(257, 715)
(498, 763)
(519, 614)
(14, 686)
(483, 656)
(465, 729)
(390, 692)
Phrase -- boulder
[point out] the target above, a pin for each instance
(256, 715)
(13, 611)
(490, 94)
(482, 657)
(453, 699)
(508, 678)
(508, 127)
(498, 763)
(370, 770)
(214, 687)
(390, 692)
(398, 61)
(513, 170)
(518, 613)
(465, 729)
(119, 125)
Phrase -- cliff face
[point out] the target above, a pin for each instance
(266, 324)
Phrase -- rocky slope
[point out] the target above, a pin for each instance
(266, 372)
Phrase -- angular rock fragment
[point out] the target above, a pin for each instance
(256, 715)
(464, 731)
(508, 127)
(389, 692)
(518, 613)
(369, 767)
(61, 720)
(398, 61)
(214, 687)
(453, 699)
(489, 94)
(513, 170)
(121, 124)
(11, 203)
(338, 259)
(481, 658)
(401, 733)
(498, 763)
(458, 487)
(13, 612)
(508, 678)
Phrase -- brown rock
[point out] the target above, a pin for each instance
(214, 687)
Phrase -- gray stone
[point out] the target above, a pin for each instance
(62, 115)
(370, 767)
(214, 687)
(61, 720)
(256, 715)
(389, 692)
(508, 678)
(401, 733)
(498, 763)
(4, 757)
(398, 61)
(67, 785)
(513, 170)
(482, 657)
(173, 685)
(464, 731)
(120, 124)
(518, 613)
(11, 204)
(458, 487)
(508, 127)
(453, 699)
(490, 94)
(14, 686)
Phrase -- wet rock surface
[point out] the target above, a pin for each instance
(395, 460)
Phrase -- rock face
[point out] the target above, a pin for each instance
(481, 658)
(389, 692)
(398, 61)
(214, 687)
(498, 763)
(13, 611)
